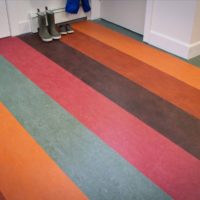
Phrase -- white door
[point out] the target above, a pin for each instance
(4, 24)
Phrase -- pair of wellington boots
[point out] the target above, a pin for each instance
(47, 33)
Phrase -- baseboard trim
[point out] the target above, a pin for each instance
(173, 45)
(168, 44)
(194, 50)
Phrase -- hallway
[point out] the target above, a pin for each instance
(97, 115)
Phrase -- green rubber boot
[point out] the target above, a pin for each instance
(51, 25)
(43, 32)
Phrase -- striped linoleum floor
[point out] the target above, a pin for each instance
(195, 61)
(99, 116)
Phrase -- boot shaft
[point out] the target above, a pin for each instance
(50, 19)
(42, 20)
(52, 25)
(42, 31)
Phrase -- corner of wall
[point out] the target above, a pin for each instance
(95, 9)
(167, 43)
(164, 41)
(194, 50)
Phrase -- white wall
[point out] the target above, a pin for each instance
(174, 18)
(96, 9)
(4, 30)
(196, 25)
(126, 13)
(19, 13)
(173, 26)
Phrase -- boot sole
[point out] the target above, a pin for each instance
(70, 32)
(46, 40)
(63, 33)
(56, 37)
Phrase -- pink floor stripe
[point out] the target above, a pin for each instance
(166, 164)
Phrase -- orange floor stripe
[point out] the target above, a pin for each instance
(27, 172)
(163, 61)
(177, 92)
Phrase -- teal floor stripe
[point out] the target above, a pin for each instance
(99, 171)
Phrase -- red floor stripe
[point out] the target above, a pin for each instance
(166, 164)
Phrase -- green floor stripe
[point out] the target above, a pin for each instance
(99, 171)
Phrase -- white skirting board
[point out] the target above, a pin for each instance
(172, 45)
(169, 25)
(167, 43)
(194, 50)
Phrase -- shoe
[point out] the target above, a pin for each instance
(63, 30)
(69, 29)
(43, 32)
(51, 25)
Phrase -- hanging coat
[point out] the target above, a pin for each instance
(73, 6)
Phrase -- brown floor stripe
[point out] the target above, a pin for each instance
(178, 126)
(160, 60)
(177, 92)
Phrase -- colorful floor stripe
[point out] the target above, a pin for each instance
(27, 172)
(2, 196)
(117, 128)
(161, 84)
(120, 155)
(194, 61)
(99, 171)
(158, 59)
(172, 122)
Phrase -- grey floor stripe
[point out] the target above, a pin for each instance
(99, 171)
